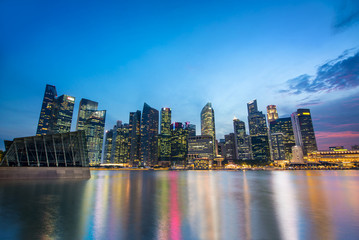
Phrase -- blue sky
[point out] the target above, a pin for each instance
(183, 54)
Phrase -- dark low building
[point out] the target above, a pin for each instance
(56, 150)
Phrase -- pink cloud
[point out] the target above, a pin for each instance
(343, 138)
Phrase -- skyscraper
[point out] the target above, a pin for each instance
(121, 144)
(135, 137)
(208, 123)
(258, 133)
(149, 136)
(272, 113)
(92, 121)
(179, 144)
(304, 131)
(164, 138)
(46, 110)
(61, 117)
(241, 140)
(230, 147)
(283, 126)
(166, 121)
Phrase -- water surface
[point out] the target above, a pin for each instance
(184, 205)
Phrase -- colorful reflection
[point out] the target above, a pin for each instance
(184, 205)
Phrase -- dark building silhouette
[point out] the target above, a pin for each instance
(304, 131)
(230, 147)
(258, 133)
(135, 137)
(108, 146)
(46, 110)
(149, 136)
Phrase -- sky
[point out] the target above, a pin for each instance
(183, 54)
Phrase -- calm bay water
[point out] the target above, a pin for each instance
(184, 205)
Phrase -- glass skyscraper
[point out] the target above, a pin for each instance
(135, 137)
(179, 144)
(282, 126)
(164, 138)
(258, 133)
(208, 123)
(304, 131)
(92, 122)
(149, 136)
(241, 140)
(61, 117)
(46, 110)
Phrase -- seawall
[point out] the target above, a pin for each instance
(45, 173)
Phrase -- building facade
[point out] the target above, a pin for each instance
(303, 130)
(135, 137)
(241, 140)
(208, 123)
(283, 126)
(149, 136)
(46, 110)
(61, 117)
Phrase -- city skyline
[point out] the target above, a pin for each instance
(302, 54)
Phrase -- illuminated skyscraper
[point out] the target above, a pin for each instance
(46, 110)
(85, 108)
(283, 126)
(61, 117)
(241, 140)
(135, 137)
(121, 144)
(92, 121)
(149, 136)
(208, 123)
(258, 133)
(304, 131)
(164, 138)
(166, 121)
(272, 113)
(179, 145)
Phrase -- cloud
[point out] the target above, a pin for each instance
(341, 73)
(347, 15)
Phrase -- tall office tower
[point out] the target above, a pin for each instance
(191, 128)
(230, 147)
(283, 126)
(149, 136)
(164, 138)
(272, 113)
(179, 144)
(121, 144)
(208, 124)
(278, 152)
(256, 120)
(61, 117)
(304, 131)
(258, 133)
(166, 121)
(46, 110)
(92, 121)
(85, 108)
(243, 151)
(135, 137)
(108, 146)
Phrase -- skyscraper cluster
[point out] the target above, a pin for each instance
(56, 117)
(150, 138)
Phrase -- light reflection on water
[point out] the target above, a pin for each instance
(184, 205)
